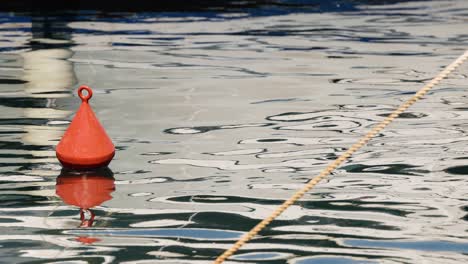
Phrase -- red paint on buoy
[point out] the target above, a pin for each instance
(85, 144)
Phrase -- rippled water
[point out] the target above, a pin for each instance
(219, 116)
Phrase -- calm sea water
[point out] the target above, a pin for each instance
(220, 115)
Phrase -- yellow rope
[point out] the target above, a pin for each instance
(314, 181)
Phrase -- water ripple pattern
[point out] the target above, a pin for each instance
(218, 115)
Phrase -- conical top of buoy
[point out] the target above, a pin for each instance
(85, 144)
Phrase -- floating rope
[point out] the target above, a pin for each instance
(314, 181)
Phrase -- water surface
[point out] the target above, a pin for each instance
(220, 115)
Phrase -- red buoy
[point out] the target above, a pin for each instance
(85, 144)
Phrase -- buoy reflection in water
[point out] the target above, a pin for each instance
(85, 189)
